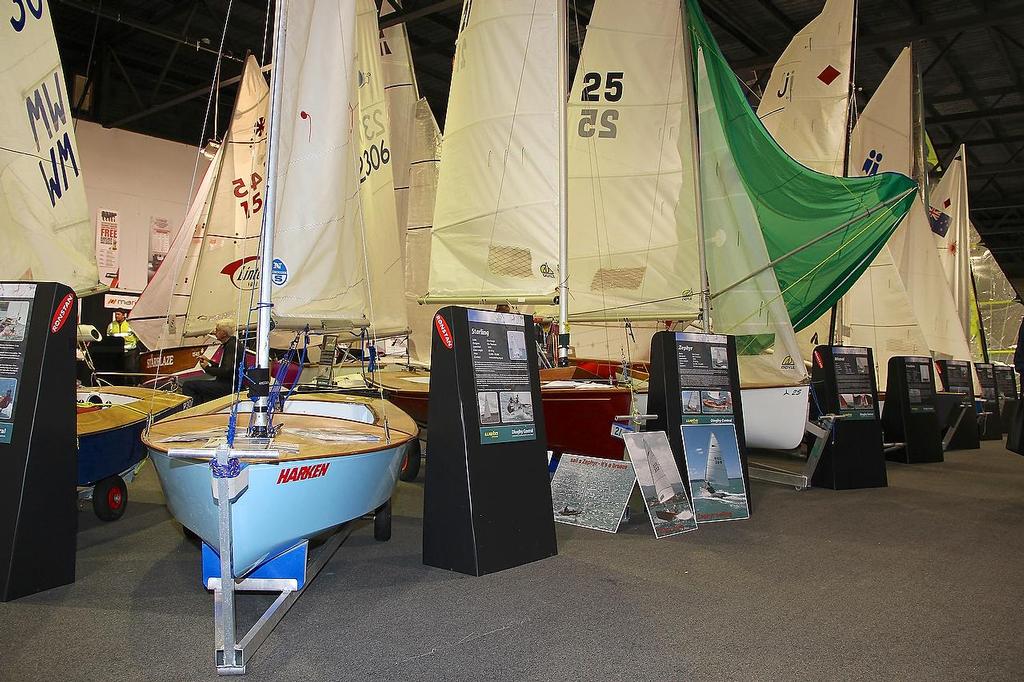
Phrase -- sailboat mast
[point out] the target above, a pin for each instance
(691, 91)
(836, 320)
(561, 22)
(260, 419)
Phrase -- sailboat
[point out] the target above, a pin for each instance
(498, 244)
(666, 494)
(716, 478)
(212, 257)
(47, 235)
(336, 457)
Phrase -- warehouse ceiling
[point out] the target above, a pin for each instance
(147, 67)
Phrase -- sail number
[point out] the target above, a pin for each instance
(25, 7)
(600, 121)
(372, 159)
(249, 197)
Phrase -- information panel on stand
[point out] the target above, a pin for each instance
(487, 496)
(909, 413)
(38, 474)
(501, 377)
(989, 426)
(694, 391)
(843, 378)
(1006, 387)
(955, 376)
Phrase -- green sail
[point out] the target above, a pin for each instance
(799, 210)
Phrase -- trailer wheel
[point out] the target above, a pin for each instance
(411, 462)
(382, 522)
(109, 498)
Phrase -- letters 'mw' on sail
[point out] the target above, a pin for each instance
(44, 222)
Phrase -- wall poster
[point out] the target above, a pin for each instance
(661, 485)
(501, 375)
(15, 309)
(159, 244)
(591, 492)
(107, 256)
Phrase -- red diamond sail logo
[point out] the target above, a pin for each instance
(828, 74)
(946, 203)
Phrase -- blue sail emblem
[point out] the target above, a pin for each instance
(872, 162)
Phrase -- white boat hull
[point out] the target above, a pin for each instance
(774, 418)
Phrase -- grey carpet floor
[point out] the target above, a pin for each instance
(921, 580)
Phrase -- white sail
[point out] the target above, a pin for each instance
(754, 311)
(44, 221)
(377, 162)
(877, 311)
(806, 102)
(662, 478)
(715, 475)
(951, 226)
(632, 214)
(402, 96)
(319, 232)
(998, 304)
(424, 165)
(806, 107)
(495, 222)
(158, 317)
(227, 271)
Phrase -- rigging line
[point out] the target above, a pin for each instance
(266, 32)
(195, 167)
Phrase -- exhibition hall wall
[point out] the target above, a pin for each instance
(137, 190)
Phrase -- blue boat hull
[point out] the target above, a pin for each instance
(283, 504)
(112, 452)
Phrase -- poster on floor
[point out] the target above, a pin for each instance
(661, 485)
(501, 375)
(714, 471)
(107, 256)
(591, 492)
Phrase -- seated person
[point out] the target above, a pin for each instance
(220, 377)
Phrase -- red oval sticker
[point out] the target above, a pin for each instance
(443, 331)
(62, 313)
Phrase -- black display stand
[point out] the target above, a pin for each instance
(1009, 394)
(908, 416)
(843, 379)
(989, 426)
(38, 431)
(487, 496)
(671, 375)
(955, 376)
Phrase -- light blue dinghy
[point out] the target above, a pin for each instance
(338, 459)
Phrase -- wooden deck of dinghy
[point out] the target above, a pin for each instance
(214, 415)
(117, 416)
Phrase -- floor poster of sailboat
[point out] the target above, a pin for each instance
(591, 492)
(661, 485)
(715, 473)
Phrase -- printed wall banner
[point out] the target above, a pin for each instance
(15, 311)
(108, 257)
(159, 243)
(501, 375)
(661, 485)
(853, 381)
(119, 301)
(591, 492)
(715, 472)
